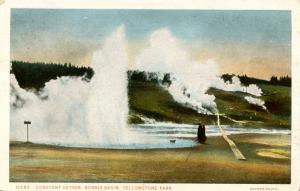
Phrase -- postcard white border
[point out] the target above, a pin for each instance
(291, 5)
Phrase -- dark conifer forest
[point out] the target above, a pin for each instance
(35, 75)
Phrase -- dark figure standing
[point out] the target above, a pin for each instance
(201, 133)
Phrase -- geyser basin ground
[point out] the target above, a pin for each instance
(209, 163)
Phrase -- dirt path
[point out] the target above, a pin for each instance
(237, 153)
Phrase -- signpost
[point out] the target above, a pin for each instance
(27, 123)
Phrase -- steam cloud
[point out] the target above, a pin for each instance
(256, 101)
(236, 86)
(190, 79)
(57, 112)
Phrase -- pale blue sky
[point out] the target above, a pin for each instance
(37, 33)
(246, 26)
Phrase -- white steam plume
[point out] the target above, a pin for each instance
(57, 113)
(255, 101)
(190, 79)
(236, 86)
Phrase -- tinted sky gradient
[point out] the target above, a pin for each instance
(239, 41)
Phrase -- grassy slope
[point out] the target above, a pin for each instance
(154, 102)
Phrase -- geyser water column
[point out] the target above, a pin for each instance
(107, 107)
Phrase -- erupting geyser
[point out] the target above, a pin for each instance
(72, 111)
(107, 101)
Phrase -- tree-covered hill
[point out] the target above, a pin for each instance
(35, 75)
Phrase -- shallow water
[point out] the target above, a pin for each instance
(172, 130)
(170, 135)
